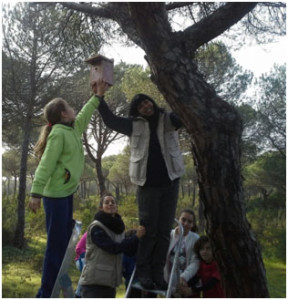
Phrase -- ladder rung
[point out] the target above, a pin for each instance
(138, 286)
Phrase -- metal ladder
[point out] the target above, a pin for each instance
(63, 281)
(174, 275)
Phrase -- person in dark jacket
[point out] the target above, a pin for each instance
(105, 245)
(156, 164)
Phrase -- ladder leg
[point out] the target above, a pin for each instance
(130, 283)
(174, 275)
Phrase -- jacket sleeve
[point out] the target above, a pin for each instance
(47, 165)
(207, 286)
(81, 246)
(116, 123)
(102, 240)
(193, 263)
(84, 116)
(175, 120)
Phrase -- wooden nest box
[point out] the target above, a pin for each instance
(101, 68)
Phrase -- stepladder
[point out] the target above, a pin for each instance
(174, 275)
(63, 281)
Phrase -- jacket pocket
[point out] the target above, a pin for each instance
(136, 169)
(67, 176)
(104, 275)
(177, 160)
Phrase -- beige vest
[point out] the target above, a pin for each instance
(102, 268)
(169, 143)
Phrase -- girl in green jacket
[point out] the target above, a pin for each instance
(61, 154)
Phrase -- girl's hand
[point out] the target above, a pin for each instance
(100, 87)
(182, 282)
(186, 292)
(34, 204)
(177, 230)
(140, 231)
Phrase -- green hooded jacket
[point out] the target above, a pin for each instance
(62, 162)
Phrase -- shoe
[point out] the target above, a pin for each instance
(161, 284)
(146, 283)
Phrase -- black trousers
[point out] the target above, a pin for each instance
(157, 207)
(98, 291)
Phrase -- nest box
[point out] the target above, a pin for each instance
(101, 68)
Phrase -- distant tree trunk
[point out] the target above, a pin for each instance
(19, 239)
(8, 187)
(15, 186)
(100, 179)
(83, 189)
(193, 193)
(100, 176)
(182, 189)
(201, 221)
(117, 192)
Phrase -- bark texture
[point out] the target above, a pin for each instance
(215, 129)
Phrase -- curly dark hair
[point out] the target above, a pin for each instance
(200, 244)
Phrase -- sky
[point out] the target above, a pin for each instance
(258, 59)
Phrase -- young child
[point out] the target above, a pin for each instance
(80, 260)
(57, 176)
(105, 245)
(208, 274)
(188, 260)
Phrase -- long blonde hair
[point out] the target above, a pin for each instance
(52, 115)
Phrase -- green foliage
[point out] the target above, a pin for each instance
(9, 215)
(266, 203)
(34, 222)
(272, 109)
(136, 80)
(222, 72)
(276, 277)
(88, 209)
(128, 210)
(269, 228)
(267, 176)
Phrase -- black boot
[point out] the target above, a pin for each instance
(147, 283)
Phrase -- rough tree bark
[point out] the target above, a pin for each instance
(215, 128)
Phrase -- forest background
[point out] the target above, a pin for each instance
(37, 66)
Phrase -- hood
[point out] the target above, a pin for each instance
(136, 100)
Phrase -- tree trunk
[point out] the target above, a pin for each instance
(100, 176)
(193, 193)
(201, 221)
(117, 192)
(215, 128)
(19, 238)
(15, 186)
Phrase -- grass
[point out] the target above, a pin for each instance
(276, 278)
(21, 272)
